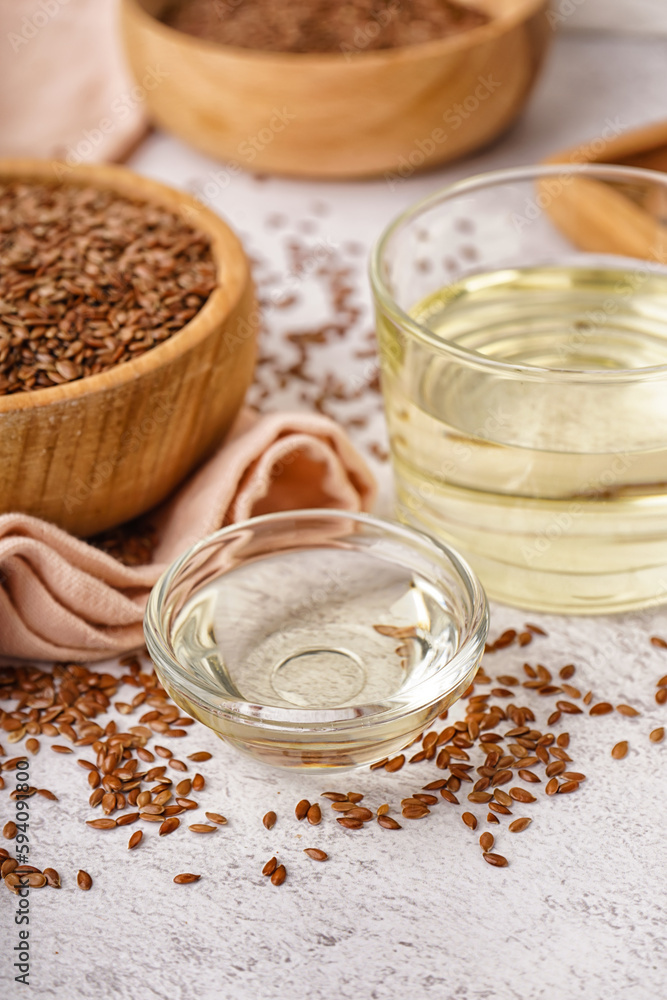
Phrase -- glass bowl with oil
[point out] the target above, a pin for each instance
(522, 324)
(317, 639)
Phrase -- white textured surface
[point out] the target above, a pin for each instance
(581, 911)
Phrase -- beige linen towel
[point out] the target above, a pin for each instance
(63, 599)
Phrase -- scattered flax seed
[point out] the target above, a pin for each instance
(350, 824)
(314, 815)
(658, 641)
(384, 809)
(658, 735)
(269, 820)
(342, 806)
(135, 840)
(528, 775)
(279, 875)
(101, 824)
(661, 695)
(270, 866)
(335, 796)
(601, 708)
(315, 854)
(568, 708)
(521, 795)
(202, 755)
(588, 698)
(60, 749)
(627, 710)
(497, 860)
(379, 763)
(32, 745)
(518, 825)
(169, 826)
(486, 841)
(395, 764)
(359, 812)
(535, 629)
(566, 672)
(620, 750)
(388, 823)
(47, 794)
(301, 810)
(84, 881)
(198, 782)
(470, 820)
(186, 878)
(216, 818)
(563, 740)
(551, 786)
(52, 877)
(355, 796)
(202, 828)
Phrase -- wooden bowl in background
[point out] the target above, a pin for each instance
(340, 115)
(90, 454)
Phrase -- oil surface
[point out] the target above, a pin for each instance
(555, 490)
(265, 634)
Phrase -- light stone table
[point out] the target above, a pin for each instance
(581, 910)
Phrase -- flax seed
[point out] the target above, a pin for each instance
(270, 866)
(315, 854)
(620, 750)
(135, 840)
(497, 860)
(186, 878)
(279, 875)
(269, 820)
(301, 810)
(84, 881)
(389, 823)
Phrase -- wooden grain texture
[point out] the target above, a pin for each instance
(340, 114)
(601, 218)
(93, 453)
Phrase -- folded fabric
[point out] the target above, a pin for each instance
(63, 599)
(65, 91)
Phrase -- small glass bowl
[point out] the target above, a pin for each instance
(317, 639)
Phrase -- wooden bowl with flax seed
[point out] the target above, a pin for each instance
(355, 110)
(106, 405)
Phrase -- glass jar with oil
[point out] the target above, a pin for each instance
(522, 321)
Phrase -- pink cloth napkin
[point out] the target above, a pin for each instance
(63, 599)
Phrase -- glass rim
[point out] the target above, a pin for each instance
(425, 692)
(385, 299)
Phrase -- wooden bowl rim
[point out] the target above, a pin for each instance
(495, 28)
(225, 247)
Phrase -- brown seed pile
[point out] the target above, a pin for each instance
(322, 25)
(89, 280)
(64, 703)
